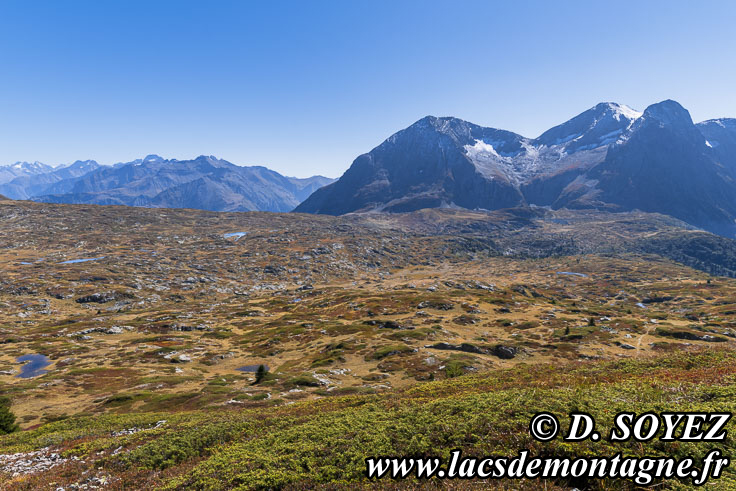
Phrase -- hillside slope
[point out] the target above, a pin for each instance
(482, 415)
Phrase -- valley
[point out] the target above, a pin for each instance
(165, 316)
(168, 314)
(143, 311)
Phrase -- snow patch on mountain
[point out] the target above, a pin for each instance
(481, 151)
(624, 111)
(489, 162)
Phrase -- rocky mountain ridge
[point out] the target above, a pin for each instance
(609, 157)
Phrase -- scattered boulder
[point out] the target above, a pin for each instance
(96, 298)
(390, 325)
(504, 352)
(691, 336)
(464, 347)
(465, 320)
(435, 305)
(175, 357)
(19, 464)
(656, 300)
(273, 269)
(83, 334)
(187, 328)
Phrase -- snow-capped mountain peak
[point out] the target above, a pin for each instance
(20, 169)
(598, 126)
(623, 111)
(609, 156)
(29, 165)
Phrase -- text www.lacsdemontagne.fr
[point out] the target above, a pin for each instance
(642, 470)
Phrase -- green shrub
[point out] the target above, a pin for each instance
(306, 380)
(7, 418)
(393, 349)
(260, 374)
(454, 369)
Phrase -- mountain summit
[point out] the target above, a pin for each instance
(597, 126)
(608, 157)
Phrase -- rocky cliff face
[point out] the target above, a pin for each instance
(609, 157)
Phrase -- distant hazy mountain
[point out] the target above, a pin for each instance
(27, 186)
(19, 169)
(609, 157)
(205, 183)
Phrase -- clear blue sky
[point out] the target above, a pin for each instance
(304, 87)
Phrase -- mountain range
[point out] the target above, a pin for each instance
(205, 183)
(22, 169)
(33, 179)
(610, 157)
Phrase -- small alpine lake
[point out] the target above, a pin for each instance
(33, 365)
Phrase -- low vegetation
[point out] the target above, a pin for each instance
(316, 442)
(284, 358)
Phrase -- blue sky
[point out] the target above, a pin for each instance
(304, 87)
